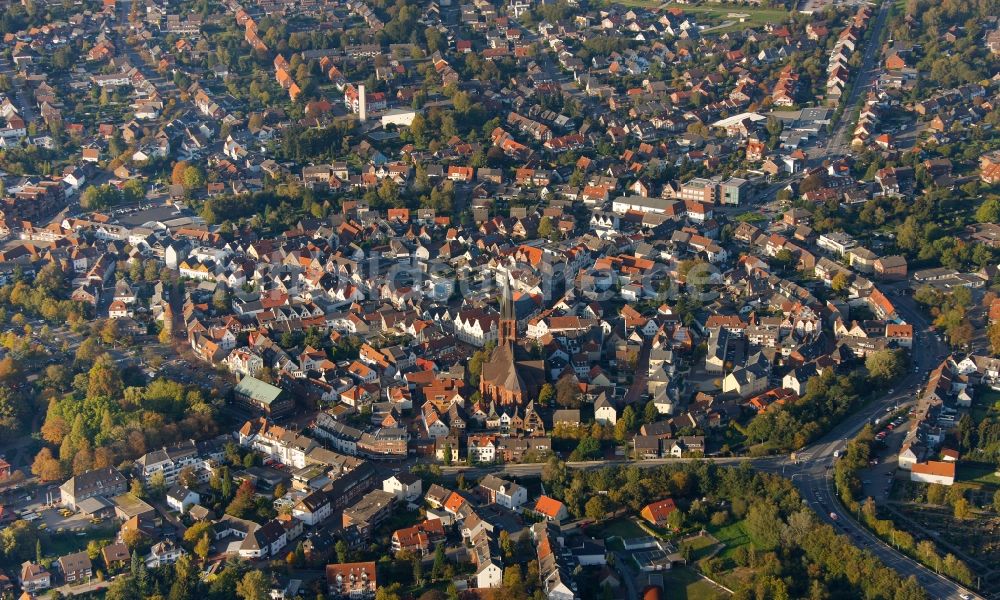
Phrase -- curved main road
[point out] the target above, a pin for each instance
(812, 472)
(813, 475)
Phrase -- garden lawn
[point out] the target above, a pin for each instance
(715, 14)
(621, 527)
(974, 472)
(733, 536)
(682, 583)
(61, 543)
(701, 546)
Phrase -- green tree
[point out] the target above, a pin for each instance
(989, 210)
(255, 585)
(545, 227)
(587, 449)
(418, 570)
(440, 561)
(935, 493)
(18, 541)
(650, 414)
(763, 524)
(193, 177)
(676, 519)
(157, 484)
(546, 394)
(597, 507)
(961, 509)
(884, 366)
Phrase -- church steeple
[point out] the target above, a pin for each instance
(507, 331)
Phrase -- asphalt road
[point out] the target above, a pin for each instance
(813, 476)
(812, 472)
(840, 141)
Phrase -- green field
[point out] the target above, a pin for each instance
(682, 583)
(701, 546)
(714, 13)
(621, 527)
(733, 536)
(984, 404)
(982, 473)
(60, 543)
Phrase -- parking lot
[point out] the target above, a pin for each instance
(55, 520)
(877, 479)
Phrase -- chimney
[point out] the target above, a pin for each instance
(362, 104)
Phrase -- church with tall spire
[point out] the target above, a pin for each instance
(510, 376)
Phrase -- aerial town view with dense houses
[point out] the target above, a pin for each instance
(499, 300)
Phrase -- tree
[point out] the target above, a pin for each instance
(763, 525)
(961, 509)
(545, 227)
(388, 592)
(137, 489)
(157, 484)
(935, 493)
(193, 178)
(441, 560)
(418, 570)
(46, 467)
(546, 394)
(597, 507)
(989, 210)
(587, 449)
(177, 174)
(254, 586)
(840, 282)
(650, 414)
(243, 501)
(993, 333)
(18, 541)
(194, 533)
(568, 392)
(341, 550)
(783, 258)
(884, 366)
(676, 519)
(626, 424)
(555, 474)
(513, 582)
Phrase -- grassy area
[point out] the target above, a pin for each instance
(733, 536)
(701, 546)
(61, 543)
(682, 583)
(984, 404)
(621, 527)
(715, 14)
(750, 217)
(983, 473)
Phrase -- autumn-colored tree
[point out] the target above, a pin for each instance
(54, 429)
(203, 547)
(46, 467)
(84, 459)
(177, 174)
(243, 501)
(103, 379)
(254, 586)
(131, 537)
